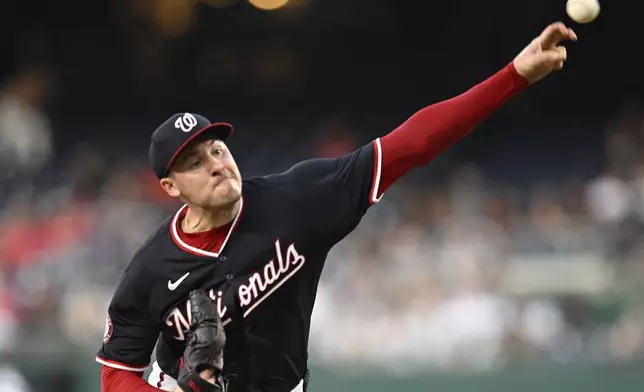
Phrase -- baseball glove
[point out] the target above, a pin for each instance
(205, 347)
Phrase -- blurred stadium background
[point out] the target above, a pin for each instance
(513, 262)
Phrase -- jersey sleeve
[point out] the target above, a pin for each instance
(335, 193)
(130, 337)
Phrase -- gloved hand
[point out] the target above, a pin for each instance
(205, 347)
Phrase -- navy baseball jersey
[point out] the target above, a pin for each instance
(263, 280)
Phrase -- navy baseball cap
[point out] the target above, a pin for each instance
(171, 137)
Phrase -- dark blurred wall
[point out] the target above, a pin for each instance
(372, 62)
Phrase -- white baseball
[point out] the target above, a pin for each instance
(582, 11)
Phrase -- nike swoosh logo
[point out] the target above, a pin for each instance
(173, 285)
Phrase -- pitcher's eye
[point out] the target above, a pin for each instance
(193, 164)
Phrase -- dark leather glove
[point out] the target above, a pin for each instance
(205, 347)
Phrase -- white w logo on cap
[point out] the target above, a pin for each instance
(186, 122)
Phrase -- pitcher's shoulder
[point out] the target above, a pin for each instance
(155, 247)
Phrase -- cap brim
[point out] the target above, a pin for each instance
(219, 130)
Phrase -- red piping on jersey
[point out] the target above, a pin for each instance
(432, 130)
(119, 365)
(374, 195)
(189, 245)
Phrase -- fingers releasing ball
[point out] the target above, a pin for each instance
(582, 11)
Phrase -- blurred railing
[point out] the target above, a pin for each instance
(74, 374)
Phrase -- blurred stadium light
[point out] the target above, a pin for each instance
(268, 5)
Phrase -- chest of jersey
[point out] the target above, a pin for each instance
(251, 272)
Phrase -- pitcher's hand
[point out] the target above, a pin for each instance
(544, 54)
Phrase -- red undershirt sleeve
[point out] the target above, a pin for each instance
(432, 130)
(117, 380)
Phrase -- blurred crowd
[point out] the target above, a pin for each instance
(469, 274)
(450, 273)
